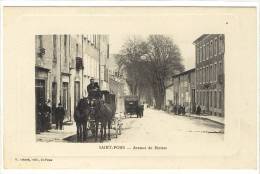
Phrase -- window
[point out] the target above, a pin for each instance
(202, 78)
(220, 68)
(204, 55)
(207, 51)
(220, 100)
(197, 54)
(220, 45)
(206, 75)
(201, 97)
(210, 98)
(197, 76)
(77, 50)
(222, 41)
(40, 41)
(216, 47)
(216, 75)
(215, 102)
(54, 48)
(211, 73)
(200, 54)
(65, 48)
(211, 48)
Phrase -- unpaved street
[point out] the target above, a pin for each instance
(158, 126)
(155, 126)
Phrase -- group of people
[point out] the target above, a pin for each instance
(45, 111)
(181, 110)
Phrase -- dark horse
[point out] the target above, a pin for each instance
(104, 114)
(81, 116)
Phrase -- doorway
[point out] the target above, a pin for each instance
(40, 95)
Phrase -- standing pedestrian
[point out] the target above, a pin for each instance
(198, 110)
(183, 110)
(47, 115)
(59, 116)
(40, 115)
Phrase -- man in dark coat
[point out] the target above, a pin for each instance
(93, 89)
(59, 114)
(40, 116)
(47, 115)
(183, 110)
(198, 110)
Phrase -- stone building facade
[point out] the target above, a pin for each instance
(184, 90)
(168, 95)
(210, 50)
(64, 65)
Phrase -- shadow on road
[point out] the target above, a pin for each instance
(90, 139)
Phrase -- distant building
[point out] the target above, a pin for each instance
(117, 83)
(116, 86)
(184, 90)
(168, 101)
(210, 50)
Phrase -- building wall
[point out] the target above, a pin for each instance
(56, 65)
(210, 51)
(169, 95)
(184, 90)
(116, 86)
(104, 61)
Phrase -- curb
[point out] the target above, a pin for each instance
(205, 118)
(202, 118)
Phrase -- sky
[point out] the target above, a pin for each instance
(184, 43)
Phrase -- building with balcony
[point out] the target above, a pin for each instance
(210, 83)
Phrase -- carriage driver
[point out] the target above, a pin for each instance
(93, 90)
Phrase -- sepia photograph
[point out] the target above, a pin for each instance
(96, 88)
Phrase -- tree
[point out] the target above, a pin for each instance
(164, 59)
(149, 64)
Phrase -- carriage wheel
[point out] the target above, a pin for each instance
(119, 129)
(116, 131)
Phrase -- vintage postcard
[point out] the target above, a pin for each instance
(130, 87)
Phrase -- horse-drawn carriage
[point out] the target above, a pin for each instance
(96, 114)
(132, 106)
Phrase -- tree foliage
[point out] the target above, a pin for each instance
(149, 64)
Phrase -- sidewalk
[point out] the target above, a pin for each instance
(216, 119)
(213, 118)
(69, 129)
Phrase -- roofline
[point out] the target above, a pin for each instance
(204, 36)
(170, 85)
(185, 72)
(200, 38)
